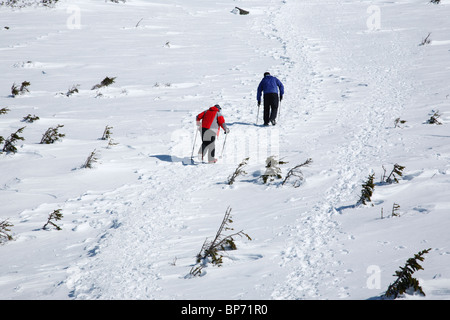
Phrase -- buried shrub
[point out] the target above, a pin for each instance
(30, 119)
(9, 146)
(296, 174)
(15, 90)
(211, 250)
(273, 170)
(72, 90)
(105, 82)
(52, 135)
(4, 231)
(56, 215)
(427, 40)
(434, 118)
(367, 190)
(405, 281)
(397, 171)
(90, 160)
(238, 171)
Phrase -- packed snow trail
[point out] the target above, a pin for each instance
(310, 63)
(344, 92)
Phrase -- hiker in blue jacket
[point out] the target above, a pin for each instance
(270, 86)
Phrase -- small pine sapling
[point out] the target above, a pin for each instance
(395, 209)
(210, 249)
(4, 231)
(397, 171)
(105, 82)
(427, 40)
(90, 160)
(238, 171)
(434, 118)
(398, 122)
(9, 146)
(367, 190)
(52, 135)
(56, 215)
(72, 90)
(106, 133)
(273, 170)
(4, 110)
(405, 281)
(30, 119)
(107, 136)
(15, 90)
(241, 11)
(297, 173)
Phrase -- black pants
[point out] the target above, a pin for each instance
(270, 107)
(208, 146)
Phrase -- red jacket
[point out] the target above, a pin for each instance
(212, 119)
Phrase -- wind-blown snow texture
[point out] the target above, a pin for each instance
(133, 224)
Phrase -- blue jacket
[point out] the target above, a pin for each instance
(269, 84)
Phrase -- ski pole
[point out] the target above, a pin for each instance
(257, 116)
(279, 110)
(223, 147)
(193, 147)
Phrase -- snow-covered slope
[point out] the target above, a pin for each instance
(133, 224)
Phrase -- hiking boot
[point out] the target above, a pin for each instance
(273, 122)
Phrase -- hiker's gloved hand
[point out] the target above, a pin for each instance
(259, 103)
(227, 130)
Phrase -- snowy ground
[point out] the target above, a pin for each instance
(133, 224)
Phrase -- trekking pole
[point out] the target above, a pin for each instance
(257, 116)
(193, 147)
(223, 147)
(279, 110)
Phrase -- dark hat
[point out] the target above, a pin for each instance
(266, 74)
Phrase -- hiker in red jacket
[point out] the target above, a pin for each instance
(210, 120)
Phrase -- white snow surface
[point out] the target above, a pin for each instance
(133, 224)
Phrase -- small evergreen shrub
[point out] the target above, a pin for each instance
(434, 118)
(211, 250)
(397, 171)
(91, 159)
(398, 122)
(4, 110)
(105, 83)
(273, 170)
(30, 119)
(405, 281)
(395, 209)
(52, 135)
(72, 90)
(56, 215)
(15, 90)
(106, 133)
(296, 174)
(238, 171)
(4, 231)
(9, 146)
(367, 190)
(427, 40)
